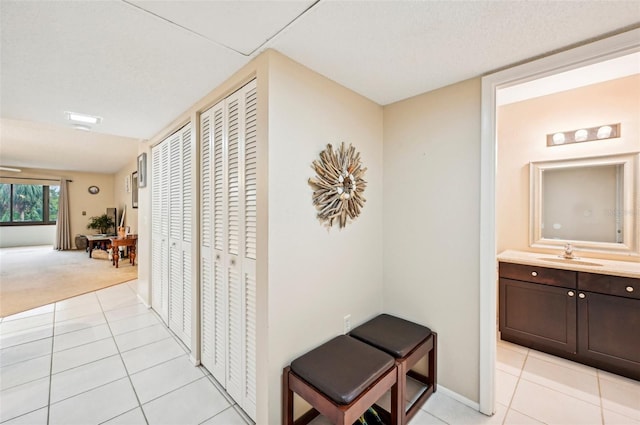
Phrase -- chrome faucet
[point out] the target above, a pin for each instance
(568, 251)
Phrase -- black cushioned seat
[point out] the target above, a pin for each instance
(408, 342)
(391, 334)
(342, 368)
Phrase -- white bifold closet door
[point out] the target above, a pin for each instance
(228, 244)
(172, 215)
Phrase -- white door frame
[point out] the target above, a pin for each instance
(599, 51)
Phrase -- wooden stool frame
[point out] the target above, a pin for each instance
(428, 347)
(338, 414)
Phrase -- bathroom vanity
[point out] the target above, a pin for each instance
(586, 310)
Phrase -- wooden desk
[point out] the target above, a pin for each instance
(98, 240)
(129, 241)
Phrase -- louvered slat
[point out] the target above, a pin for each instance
(207, 318)
(218, 177)
(186, 296)
(235, 373)
(220, 325)
(233, 196)
(250, 174)
(250, 305)
(187, 181)
(205, 181)
(175, 188)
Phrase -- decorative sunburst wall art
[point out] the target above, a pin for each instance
(338, 186)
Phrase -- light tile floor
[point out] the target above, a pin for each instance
(105, 358)
(537, 388)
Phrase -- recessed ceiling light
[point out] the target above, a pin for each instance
(84, 118)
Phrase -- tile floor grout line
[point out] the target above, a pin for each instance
(524, 362)
(561, 392)
(600, 397)
(126, 370)
(174, 390)
(158, 364)
(53, 338)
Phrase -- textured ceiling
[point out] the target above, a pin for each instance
(139, 64)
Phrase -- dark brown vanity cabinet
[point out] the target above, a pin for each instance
(586, 317)
(538, 307)
(609, 322)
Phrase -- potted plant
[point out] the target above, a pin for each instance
(102, 223)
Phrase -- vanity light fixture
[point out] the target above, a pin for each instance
(558, 138)
(82, 127)
(83, 118)
(603, 132)
(581, 135)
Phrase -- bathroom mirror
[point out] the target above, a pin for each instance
(590, 202)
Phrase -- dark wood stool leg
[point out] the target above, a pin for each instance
(433, 363)
(287, 398)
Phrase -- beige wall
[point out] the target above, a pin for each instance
(122, 198)
(431, 223)
(522, 130)
(317, 276)
(80, 200)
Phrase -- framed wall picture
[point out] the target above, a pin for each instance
(134, 189)
(142, 170)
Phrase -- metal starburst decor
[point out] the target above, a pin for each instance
(338, 185)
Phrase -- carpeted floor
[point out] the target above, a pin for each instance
(38, 275)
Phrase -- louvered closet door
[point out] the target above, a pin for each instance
(214, 320)
(228, 246)
(180, 198)
(249, 247)
(159, 229)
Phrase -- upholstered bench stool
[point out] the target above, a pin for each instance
(340, 379)
(407, 342)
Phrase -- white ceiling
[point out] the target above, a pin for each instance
(139, 64)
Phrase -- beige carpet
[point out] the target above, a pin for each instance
(35, 276)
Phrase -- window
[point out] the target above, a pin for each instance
(28, 204)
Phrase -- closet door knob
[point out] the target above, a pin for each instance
(534, 274)
(571, 293)
(629, 288)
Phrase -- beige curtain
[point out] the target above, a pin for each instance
(63, 225)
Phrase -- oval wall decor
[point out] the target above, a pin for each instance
(338, 185)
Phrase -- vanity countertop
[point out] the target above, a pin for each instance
(589, 265)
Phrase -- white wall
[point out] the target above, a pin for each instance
(27, 235)
(431, 223)
(317, 276)
(123, 198)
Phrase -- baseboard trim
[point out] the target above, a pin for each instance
(142, 301)
(457, 397)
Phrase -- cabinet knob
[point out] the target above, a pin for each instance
(534, 274)
(233, 262)
(217, 256)
(571, 293)
(629, 288)
(581, 295)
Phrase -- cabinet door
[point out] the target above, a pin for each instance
(608, 332)
(538, 316)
